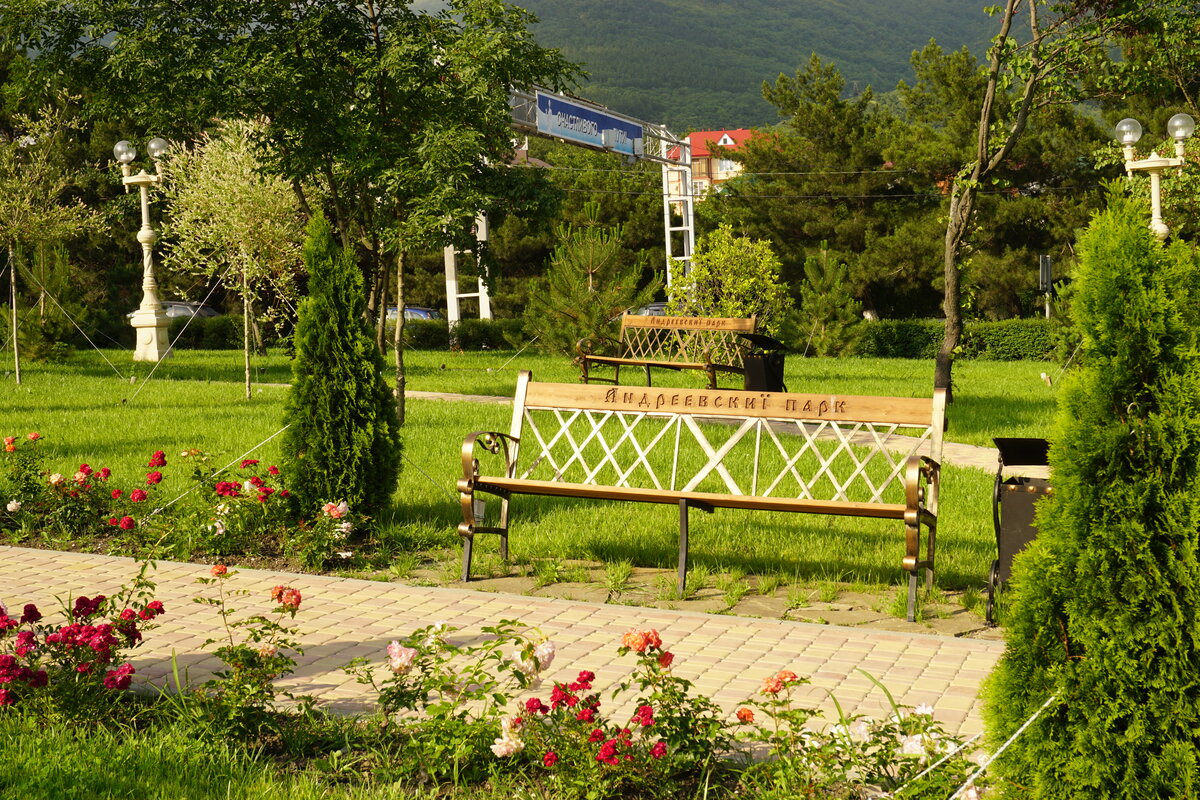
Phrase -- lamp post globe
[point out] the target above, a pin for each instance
(1129, 131)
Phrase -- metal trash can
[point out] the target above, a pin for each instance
(1013, 502)
(763, 364)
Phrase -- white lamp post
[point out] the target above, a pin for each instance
(1180, 126)
(150, 320)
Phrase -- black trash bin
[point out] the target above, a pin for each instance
(763, 364)
(1013, 504)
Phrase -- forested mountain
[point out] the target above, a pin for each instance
(701, 63)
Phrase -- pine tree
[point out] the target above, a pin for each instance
(343, 442)
(591, 280)
(829, 314)
(1105, 615)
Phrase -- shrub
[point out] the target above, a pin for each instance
(900, 338)
(76, 669)
(255, 649)
(732, 276)
(207, 333)
(1009, 340)
(1003, 340)
(343, 439)
(1103, 617)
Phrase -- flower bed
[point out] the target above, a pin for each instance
(467, 711)
(242, 508)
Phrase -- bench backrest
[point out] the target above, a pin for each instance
(768, 444)
(685, 339)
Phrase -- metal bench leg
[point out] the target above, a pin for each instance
(504, 527)
(648, 375)
(912, 596)
(468, 545)
(683, 546)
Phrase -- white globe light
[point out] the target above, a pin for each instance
(156, 147)
(1129, 131)
(124, 151)
(1181, 126)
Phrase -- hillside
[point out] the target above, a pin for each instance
(701, 63)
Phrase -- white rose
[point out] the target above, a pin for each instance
(13, 506)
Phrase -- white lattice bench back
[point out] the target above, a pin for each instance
(843, 455)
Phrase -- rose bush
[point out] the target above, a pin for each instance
(76, 668)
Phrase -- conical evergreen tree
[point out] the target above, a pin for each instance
(1106, 601)
(344, 439)
(592, 279)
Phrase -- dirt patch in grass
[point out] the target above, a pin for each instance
(825, 603)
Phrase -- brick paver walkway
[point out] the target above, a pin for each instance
(340, 619)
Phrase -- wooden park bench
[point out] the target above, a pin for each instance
(855, 456)
(711, 344)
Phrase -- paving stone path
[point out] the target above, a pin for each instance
(726, 657)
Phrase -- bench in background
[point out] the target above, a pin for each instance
(875, 457)
(711, 344)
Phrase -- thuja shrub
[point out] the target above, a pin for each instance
(1105, 614)
(343, 439)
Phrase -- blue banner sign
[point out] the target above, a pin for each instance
(557, 116)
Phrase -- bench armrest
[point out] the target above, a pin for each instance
(922, 480)
(493, 442)
(596, 346)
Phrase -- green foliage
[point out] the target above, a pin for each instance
(256, 650)
(732, 276)
(827, 310)
(1103, 618)
(589, 284)
(206, 333)
(343, 442)
(1003, 340)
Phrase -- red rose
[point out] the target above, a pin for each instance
(116, 494)
(220, 569)
(272, 470)
(138, 495)
(249, 462)
(550, 759)
(153, 477)
(127, 524)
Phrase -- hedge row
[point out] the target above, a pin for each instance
(471, 334)
(1005, 340)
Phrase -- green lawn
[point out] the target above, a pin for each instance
(87, 413)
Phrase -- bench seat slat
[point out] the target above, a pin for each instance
(563, 489)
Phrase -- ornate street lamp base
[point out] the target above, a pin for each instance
(153, 341)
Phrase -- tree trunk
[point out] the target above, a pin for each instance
(12, 283)
(961, 206)
(398, 337)
(246, 329)
(381, 280)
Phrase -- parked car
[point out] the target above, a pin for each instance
(656, 309)
(415, 312)
(184, 308)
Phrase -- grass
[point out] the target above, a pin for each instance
(40, 761)
(992, 398)
(88, 413)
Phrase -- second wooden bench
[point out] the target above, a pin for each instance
(711, 344)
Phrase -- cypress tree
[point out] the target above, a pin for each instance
(343, 442)
(1106, 600)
